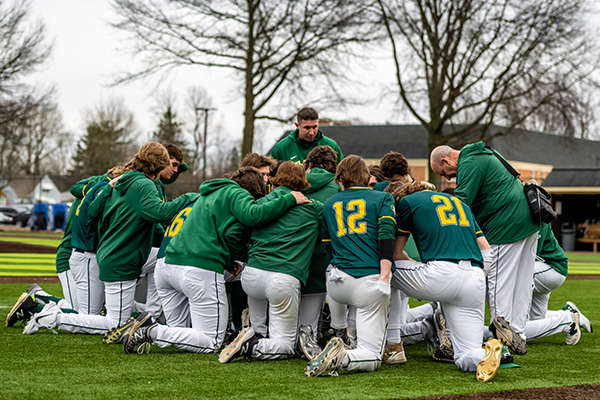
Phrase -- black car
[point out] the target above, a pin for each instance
(21, 218)
(11, 212)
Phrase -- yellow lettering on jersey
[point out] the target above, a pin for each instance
(177, 223)
(339, 217)
(359, 206)
(354, 225)
(442, 211)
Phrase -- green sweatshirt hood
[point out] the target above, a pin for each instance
(127, 179)
(475, 149)
(304, 143)
(213, 185)
(318, 179)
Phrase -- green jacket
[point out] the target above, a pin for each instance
(127, 215)
(201, 241)
(286, 245)
(495, 196)
(321, 188)
(291, 148)
(550, 251)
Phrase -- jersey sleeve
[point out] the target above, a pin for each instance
(245, 210)
(403, 218)
(386, 220)
(152, 207)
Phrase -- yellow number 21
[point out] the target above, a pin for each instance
(443, 209)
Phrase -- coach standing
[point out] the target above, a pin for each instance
(496, 198)
(296, 146)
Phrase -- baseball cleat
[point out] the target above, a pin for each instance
(584, 323)
(574, 333)
(242, 346)
(44, 319)
(507, 358)
(309, 347)
(393, 354)
(115, 335)
(502, 330)
(443, 354)
(20, 310)
(487, 368)
(330, 359)
(349, 343)
(138, 334)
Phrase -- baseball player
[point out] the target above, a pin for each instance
(84, 240)
(359, 224)
(278, 263)
(195, 260)
(128, 212)
(450, 244)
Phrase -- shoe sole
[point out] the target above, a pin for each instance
(584, 323)
(29, 329)
(397, 358)
(308, 349)
(319, 365)
(115, 335)
(572, 340)
(514, 342)
(487, 368)
(134, 327)
(18, 304)
(230, 351)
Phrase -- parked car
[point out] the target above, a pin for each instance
(21, 218)
(10, 211)
(5, 218)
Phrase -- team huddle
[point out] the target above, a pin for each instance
(247, 266)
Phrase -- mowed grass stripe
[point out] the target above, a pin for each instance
(29, 272)
(24, 262)
(39, 242)
(21, 256)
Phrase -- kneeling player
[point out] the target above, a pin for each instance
(450, 245)
(359, 225)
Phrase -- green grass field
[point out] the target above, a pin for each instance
(45, 365)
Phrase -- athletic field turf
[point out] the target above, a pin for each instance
(65, 366)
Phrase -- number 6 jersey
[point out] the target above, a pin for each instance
(354, 220)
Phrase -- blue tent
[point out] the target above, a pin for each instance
(40, 217)
(59, 214)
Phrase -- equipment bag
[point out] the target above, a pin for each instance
(537, 198)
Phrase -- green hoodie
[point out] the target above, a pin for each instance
(321, 188)
(292, 148)
(286, 245)
(127, 213)
(495, 196)
(201, 241)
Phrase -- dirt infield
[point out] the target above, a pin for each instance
(579, 392)
(16, 247)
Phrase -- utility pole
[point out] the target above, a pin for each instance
(206, 110)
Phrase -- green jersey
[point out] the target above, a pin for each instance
(443, 227)
(286, 244)
(550, 251)
(85, 229)
(292, 148)
(494, 194)
(64, 250)
(354, 221)
(174, 227)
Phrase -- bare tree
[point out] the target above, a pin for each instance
(474, 63)
(23, 48)
(109, 139)
(271, 46)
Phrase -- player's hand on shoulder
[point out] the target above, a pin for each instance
(300, 198)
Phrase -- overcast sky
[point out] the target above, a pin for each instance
(88, 52)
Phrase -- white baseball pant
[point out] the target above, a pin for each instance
(90, 289)
(545, 280)
(69, 288)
